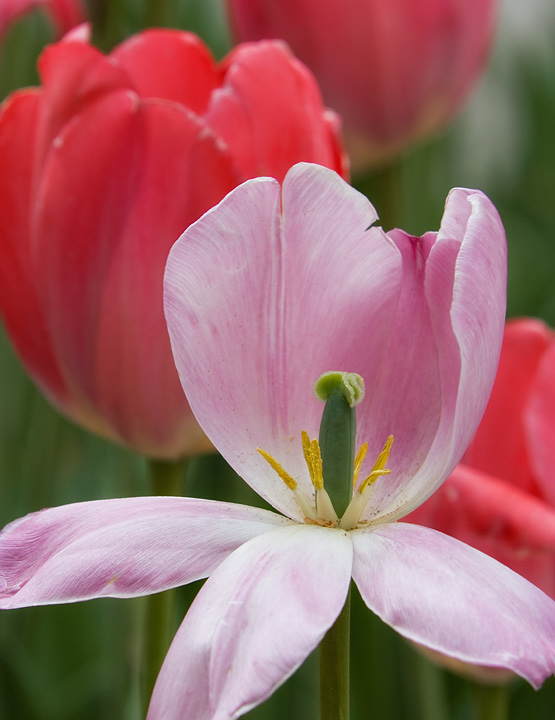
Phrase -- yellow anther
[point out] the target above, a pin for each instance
(371, 479)
(361, 454)
(307, 453)
(318, 479)
(284, 475)
(313, 458)
(384, 455)
(379, 468)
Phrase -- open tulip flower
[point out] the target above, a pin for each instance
(103, 167)
(267, 291)
(396, 70)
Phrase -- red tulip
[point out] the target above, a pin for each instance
(501, 497)
(102, 168)
(65, 14)
(397, 70)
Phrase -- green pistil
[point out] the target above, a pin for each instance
(341, 393)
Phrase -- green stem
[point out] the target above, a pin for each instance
(334, 667)
(166, 478)
(492, 701)
(430, 687)
(158, 13)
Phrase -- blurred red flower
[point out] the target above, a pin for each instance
(64, 14)
(396, 70)
(501, 497)
(102, 169)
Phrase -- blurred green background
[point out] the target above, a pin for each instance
(80, 661)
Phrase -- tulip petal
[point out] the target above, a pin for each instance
(540, 424)
(500, 519)
(500, 447)
(449, 597)
(253, 623)
(259, 306)
(170, 64)
(102, 286)
(126, 547)
(21, 308)
(264, 81)
(443, 353)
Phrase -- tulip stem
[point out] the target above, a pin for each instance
(334, 667)
(491, 701)
(166, 478)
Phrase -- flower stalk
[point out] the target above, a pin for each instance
(166, 478)
(335, 667)
(491, 701)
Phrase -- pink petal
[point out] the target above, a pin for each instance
(442, 355)
(259, 306)
(253, 623)
(453, 599)
(120, 548)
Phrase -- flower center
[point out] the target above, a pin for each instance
(341, 392)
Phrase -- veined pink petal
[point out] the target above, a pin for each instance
(258, 306)
(253, 623)
(120, 548)
(440, 362)
(452, 598)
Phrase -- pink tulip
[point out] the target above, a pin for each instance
(65, 14)
(307, 283)
(102, 168)
(396, 70)
(501, 497)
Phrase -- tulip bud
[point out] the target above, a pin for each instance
(103, 168)
(396, 70)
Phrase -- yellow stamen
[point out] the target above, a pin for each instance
(307, 453)
(379, 466)
(371, 479)
(284, 475)
(313, 459)
(384, 455)
(318, 479)
(361, 454)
